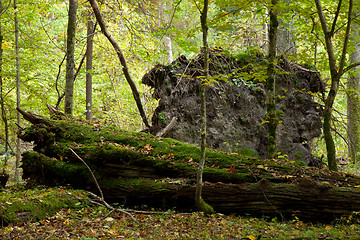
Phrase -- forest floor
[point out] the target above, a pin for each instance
(86, 221)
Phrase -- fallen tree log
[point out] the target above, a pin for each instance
(138, 169)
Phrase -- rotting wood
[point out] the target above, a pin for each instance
(137, 169)
(168, 128)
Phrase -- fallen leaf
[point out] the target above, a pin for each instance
(232, 169)
(251, 237)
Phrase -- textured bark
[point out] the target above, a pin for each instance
(336, 73)
(122, 60)
(270, 83)
(70, 62)
(353, 99)
(89, 60)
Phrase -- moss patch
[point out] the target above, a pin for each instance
(35, 204)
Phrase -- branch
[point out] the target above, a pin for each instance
(328, 43)
(168, 128)
(31, 117)
(346, 41)
(122, 60)
(354, 65)
(60, 97)
(336, 17)
(92, 174)
(101, 199)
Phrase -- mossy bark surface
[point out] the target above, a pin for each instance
(138, 169)
(270, 83)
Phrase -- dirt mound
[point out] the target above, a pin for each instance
(236, 103)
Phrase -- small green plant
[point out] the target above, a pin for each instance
(162, 118)
(298, 155)
(283, 156)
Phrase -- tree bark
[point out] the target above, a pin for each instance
(122, 60)
(70, 62)
(285, 44)
(270, 83)
(2, 102)
(353, 99)
(168, 46)
(18, 100)
(336, 73)
(200, 203)
(89, 59)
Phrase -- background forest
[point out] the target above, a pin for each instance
(34, 43)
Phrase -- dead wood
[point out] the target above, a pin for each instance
(138, 169)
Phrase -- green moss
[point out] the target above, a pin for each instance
(135, 184)
(35, 204)
(206, 208)
(60, 170)
(250, 56)
(248, 152)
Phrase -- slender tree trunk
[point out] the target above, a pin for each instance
(164, 19)
(89, 59)
(122, 60)
(168, 46)
(285, 44)
(353, 99)
(2, 103)
(200, 203)
(270, 83)
(70, 62)
(336, 72)
(18, 122)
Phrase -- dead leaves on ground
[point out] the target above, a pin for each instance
(97, 223)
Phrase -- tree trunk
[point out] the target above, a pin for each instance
(285, 44)
(168, 46)
(270, 83)
(336, 73)
(121, 59)
(2, 102)
(18, 117)
(89, 59)
(70, 62)
(164, 19)
(137, 169)
(353, 99)
(200, 203)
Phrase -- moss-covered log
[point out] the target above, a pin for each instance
(137, 169)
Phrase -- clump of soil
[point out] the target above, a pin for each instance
(236, 105)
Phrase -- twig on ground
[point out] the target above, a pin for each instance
(101, 199)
